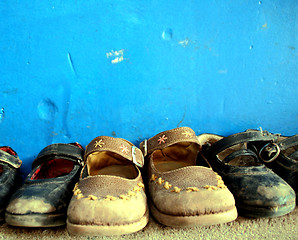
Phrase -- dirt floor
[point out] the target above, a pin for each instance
(285, 227)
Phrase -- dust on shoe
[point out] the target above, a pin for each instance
(43, 199)
(10, 176)
(181, 193)
(109, 198)
(258, 191)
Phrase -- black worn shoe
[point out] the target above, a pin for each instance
(43, 199)
(258, 191)
(281, 157)
(10, 178)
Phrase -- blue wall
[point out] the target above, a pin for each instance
(74, 70)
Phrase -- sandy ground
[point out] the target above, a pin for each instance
(285, 227)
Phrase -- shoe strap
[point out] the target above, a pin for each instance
(294, 155)
(243, 137)
(168, 138)
(73, 152)
(117, 145)
(271, 151)
(10, 159)
(288, 142)
(242, 152)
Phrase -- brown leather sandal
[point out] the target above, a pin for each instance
(182, 194)
(109, 198)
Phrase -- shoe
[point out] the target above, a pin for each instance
(181, 193)
(281, 156)
(109, 198)
(258, 191)
(43, 199)
(10, 177)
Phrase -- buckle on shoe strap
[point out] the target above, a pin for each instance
(134, 157)
(268, 150)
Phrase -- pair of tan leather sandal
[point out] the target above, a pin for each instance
(110, 197)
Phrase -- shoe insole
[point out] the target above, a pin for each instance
(210, 139)
(125, 171)
(170, 165)
(176, 156)
(109, 163)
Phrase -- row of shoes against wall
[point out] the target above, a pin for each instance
(189, 180)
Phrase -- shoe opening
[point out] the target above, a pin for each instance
(53, 168)
(8, 150)
(175, 156)
(207, 140)
(109, 163)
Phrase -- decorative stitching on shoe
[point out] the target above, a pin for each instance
(176, 190)
(153, 178)
(162, 139)
(99, 143)
(80, 196)
(92, 197)
(160, 181)
(131, 194)
(75, 187)
(192, 189)
(167, 185)
(124, 149)
(187, 134)
(77, 191)
(124, 197)
(136, 189)
(111, 198)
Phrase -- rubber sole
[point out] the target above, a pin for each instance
(197, 220)
(35, 220)
(263, 212)
(107, 230)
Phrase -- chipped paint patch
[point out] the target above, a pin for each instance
(116, 56)
(223, 71)
(187, 42)
(184, 42)
(264, 25)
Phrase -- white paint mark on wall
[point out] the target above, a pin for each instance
(184, 42)
(264, 26)
(116, 56)
(188, 42)
(223, 71)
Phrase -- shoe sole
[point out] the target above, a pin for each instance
(35, 220)
(107, 230)
(269, 212)
(198, 220)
